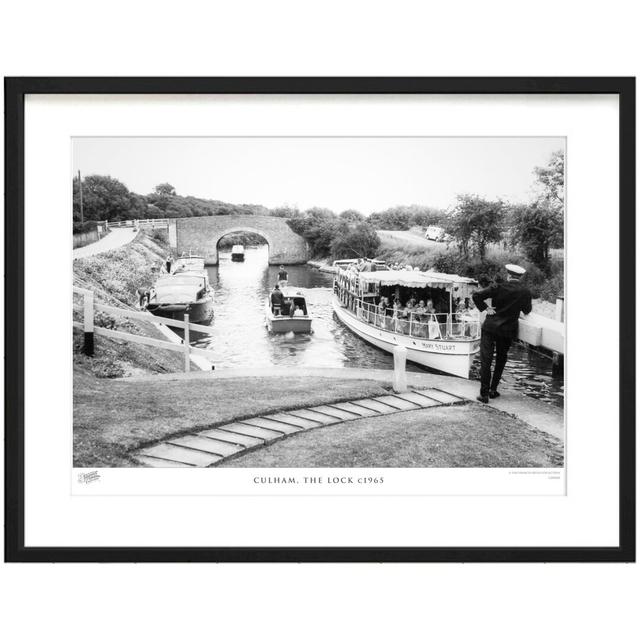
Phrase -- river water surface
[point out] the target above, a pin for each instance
(242, 340)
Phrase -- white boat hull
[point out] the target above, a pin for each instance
(450, 356)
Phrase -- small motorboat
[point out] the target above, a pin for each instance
(293, 315)
(237, 253)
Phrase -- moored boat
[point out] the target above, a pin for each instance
(181, 293)
(237, 253)
(442, 331)
(293, 315)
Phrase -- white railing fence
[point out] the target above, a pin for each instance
(90, 306)
(432, 326)
(147, 223)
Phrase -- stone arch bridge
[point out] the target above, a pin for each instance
(201, 235)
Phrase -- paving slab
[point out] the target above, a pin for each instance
(296, 421)
(336, 413)
(423, 401)
(274, 425)
(440, 396)
(359, 410)
(181, 454)
(160, 463)
(207, 444)
(397, 402)
(310, 414)
(259, 432)
(378, 407)
(234, 438)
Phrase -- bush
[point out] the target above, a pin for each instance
(84, 227)
(159, 235)
(361, 241)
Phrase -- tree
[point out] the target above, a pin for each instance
(535, 229)
(165, 189)
(538, 227)
(475, 223)
(550, 179)
(361, 241)
(351, 215)
(105, 198)
(285, 212)
(396, 218)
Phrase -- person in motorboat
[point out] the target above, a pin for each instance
(277, 300)
(298, 311)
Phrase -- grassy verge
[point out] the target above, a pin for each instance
(114, 277)
(112, 417)
(445, 437)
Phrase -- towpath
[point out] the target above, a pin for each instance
(114, 240)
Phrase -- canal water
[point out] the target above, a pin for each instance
(242, 340)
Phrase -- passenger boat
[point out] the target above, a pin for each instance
(237, 253)
(442, 337)
(286, 319)
(185, 290)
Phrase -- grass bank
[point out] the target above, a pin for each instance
(113, 417)
(442, 437)
(114, 277)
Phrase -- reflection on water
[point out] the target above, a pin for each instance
(242, 340)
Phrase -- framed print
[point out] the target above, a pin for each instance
(320, 319)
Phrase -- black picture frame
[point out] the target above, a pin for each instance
(15, 91)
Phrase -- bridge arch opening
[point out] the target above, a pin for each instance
(204, 234)
(248, 237)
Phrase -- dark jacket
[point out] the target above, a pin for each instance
(508, 299)
(277, 297)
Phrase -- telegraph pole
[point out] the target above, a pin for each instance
(81, 208)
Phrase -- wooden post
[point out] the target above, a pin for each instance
(399, 369)
(187, 354)
(88, 324)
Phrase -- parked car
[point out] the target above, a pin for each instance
(435, 233)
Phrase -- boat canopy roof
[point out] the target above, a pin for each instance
(291, 292)
(415, 279)
(187, 277)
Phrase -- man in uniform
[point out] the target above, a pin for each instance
(500, 327)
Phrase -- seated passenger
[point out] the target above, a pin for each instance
(298, 311)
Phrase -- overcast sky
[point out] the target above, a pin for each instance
(367, 174)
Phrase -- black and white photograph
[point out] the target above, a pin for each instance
(319, 302)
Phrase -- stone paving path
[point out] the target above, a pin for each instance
(207, 448)
(114, 240)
